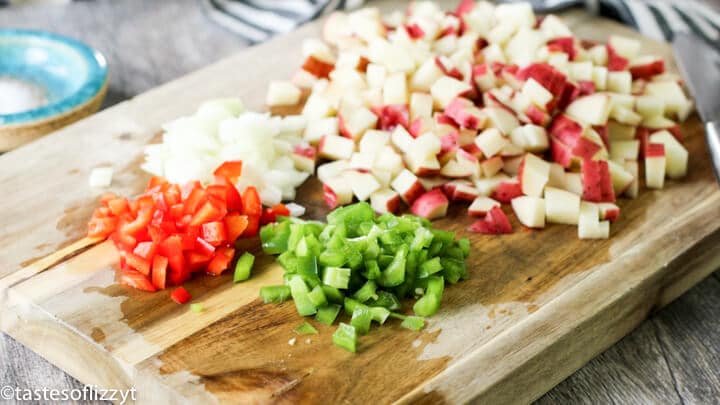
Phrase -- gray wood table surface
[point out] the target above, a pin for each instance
(673, 357)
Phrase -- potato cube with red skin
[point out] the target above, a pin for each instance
(621, 178)
(353, 122)
(494, 223)
(433, 204)
(533, 175)
(303, 157)
(561, 206)
(391, 116)
(465, 114)
(336, 147)
(609, 211)
(385, 200)
(492, 166)
(317, 67)
(646, 67)
(546, 75)
(408, 186)
(597, 182)
(282, 93)
(655, 163)
(447, 88)
(460, 190)
(491, 141)
(481, 205)
(676, 156)
(530, 211)
(337, 192)
(506, 191)
(589, 224)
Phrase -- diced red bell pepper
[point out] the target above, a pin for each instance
(196, 260)
(101, 212)
(195, 200)
(180, 295)
(172, 249)
(217, 191)
(155, 181)
(136, 280)
(204, 247)
(252, 227)
(270, 214)
(184, 221)
(102, 227)
(118, 206)
(177, 277)
(159, 201)
(123, 241)
(176, 211)
(143, 218)
(146, 250)
(235, 225)
(158, 217)
(233, 198)
(156, 234)
(172, 195)
(214, 233)
(251, 202)
(106, 197)
(221, 261)
(210, 211)
(159, 271)
(231, 169)
(136, 262)
(187, 189)
(169, 227)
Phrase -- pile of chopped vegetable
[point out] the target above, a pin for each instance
(173, 231)
(364, 264)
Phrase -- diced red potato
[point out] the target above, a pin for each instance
(304, 157)
(460, 190)
(492, 166)
(335, 147)
(337, 192)
(353, 122)
(428, 128)
(362, 184)
(433, 204)
(621, 178)
(597, 181)
(530, 211)
(282, 94)
(561, 206)
(655, 163)
(317, 67)
(533, 175)
(481, 205)
(385, 200)
(494, 223)
(609, 211)
(407, 185)
(589, 224)
(647, 67)
(633, 168)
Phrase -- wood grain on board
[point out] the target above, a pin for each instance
(537, 305)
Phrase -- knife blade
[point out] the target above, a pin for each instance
(700, 65)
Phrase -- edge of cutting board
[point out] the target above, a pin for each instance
(563, 338)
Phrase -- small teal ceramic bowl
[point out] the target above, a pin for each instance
(46, 81)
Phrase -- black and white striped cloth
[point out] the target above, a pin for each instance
(258, 20)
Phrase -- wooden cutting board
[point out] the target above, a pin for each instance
(537, 306)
